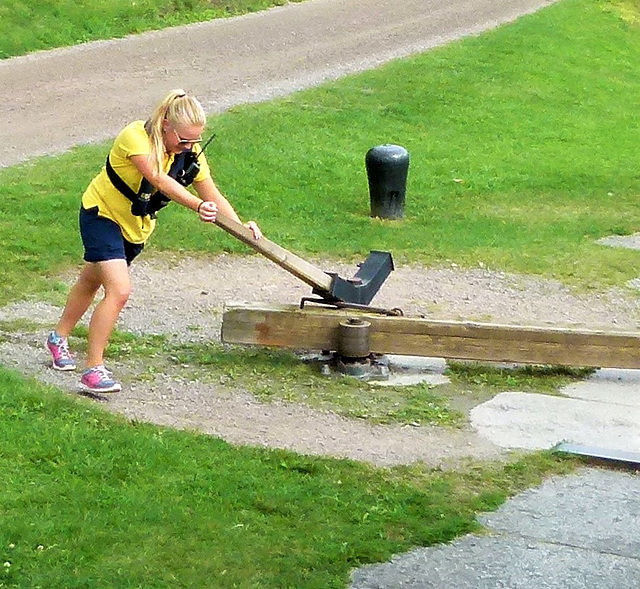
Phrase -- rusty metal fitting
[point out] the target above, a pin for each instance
(354, 339)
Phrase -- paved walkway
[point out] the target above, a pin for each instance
(575, 532)
(602, 411)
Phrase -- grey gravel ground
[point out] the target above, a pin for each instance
(184, 299)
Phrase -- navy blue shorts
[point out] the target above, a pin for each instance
(103, 240)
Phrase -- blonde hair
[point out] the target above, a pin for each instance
(179, 109)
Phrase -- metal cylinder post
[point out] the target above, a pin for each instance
(354, 340)
(387, 169)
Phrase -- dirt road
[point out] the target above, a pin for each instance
(51, 101)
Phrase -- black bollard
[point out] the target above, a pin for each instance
(387, 169)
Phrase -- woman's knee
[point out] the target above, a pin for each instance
(90, 279)
(114, 277)
(118, 294)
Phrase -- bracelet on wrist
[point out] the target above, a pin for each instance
(198, 209)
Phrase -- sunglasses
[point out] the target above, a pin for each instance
(183, 141)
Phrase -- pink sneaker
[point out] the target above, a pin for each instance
(99, 380)
(59, 348)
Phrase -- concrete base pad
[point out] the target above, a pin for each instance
(603, 411)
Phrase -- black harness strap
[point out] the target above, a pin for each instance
(148, 200)
(123, 187)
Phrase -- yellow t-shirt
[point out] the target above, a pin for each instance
(111, 203)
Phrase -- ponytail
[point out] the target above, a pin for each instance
(179, 109)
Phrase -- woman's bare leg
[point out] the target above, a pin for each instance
(114, 277)
(79, 299)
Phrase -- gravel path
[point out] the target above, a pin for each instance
(184, 298)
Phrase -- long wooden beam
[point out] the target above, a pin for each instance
(316, 328)
(292, 263)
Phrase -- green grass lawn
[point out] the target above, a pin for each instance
(88, 499)
(32, 26)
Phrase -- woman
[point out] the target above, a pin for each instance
(149, 164)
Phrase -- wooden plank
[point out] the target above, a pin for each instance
(308, 273)
(317, 328)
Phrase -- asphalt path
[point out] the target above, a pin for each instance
(53, 100)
